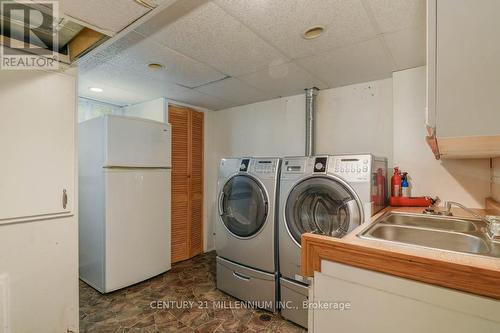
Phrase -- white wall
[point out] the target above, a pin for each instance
(271, 128)
(356, 119)
(495, 183)
(88, 109)
(154, 110)
(40, 257)
(465, 181)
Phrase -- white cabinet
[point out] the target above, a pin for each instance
(37, 151)
(385, 303)
(463, 58)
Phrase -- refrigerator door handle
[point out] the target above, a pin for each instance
(64, 199)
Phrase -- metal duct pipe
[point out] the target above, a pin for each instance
(311, 94)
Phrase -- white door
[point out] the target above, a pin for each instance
(137, 225)
(37, 146)
(135, 142)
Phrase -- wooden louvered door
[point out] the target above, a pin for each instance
(196, 183)
(187, 182)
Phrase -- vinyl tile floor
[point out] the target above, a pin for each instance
(185, 299)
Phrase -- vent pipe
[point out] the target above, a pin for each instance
(311, 94)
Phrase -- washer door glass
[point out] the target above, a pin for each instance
(243, 206)
(321, 205)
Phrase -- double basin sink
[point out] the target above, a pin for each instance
(434, 231)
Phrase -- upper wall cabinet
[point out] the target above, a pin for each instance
(463, 79)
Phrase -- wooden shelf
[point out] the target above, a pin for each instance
(469, 147)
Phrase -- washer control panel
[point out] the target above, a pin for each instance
(353, 168)
(320, 164)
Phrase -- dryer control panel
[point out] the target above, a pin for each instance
(264, 165)
(353, 168)
(244, 164)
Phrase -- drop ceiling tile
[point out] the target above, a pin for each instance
(362, 62)
(179, 68)
(130, 84)
(283, 80)
(283, 22)
(101, 56)
(110, 15)
(196, 98)
(133, 53)
(126, 87)
(111, 93)
(408, 47)
(234, 90)
(394, 15)
(205, 32)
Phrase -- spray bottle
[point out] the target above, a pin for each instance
(405, 188)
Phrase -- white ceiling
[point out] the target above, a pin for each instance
(223, 53)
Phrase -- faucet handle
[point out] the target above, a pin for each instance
(493, 226)
(447, 208)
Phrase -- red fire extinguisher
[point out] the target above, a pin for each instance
(396, 183)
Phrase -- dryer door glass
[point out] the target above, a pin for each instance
(321, 205)
(243, 206)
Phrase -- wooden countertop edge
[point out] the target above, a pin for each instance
(492, 207)
(458, 276)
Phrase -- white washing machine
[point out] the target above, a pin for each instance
(328, 195)
(246, 229)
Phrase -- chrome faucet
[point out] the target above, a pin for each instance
(493, 222)
(449, 204)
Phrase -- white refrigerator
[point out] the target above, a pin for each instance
(124, 201)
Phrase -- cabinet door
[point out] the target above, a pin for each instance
(37, 145)
(468, 59)
(391, 304)
(430, 115)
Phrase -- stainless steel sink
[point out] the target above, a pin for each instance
(438, 232)
(425, 221)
